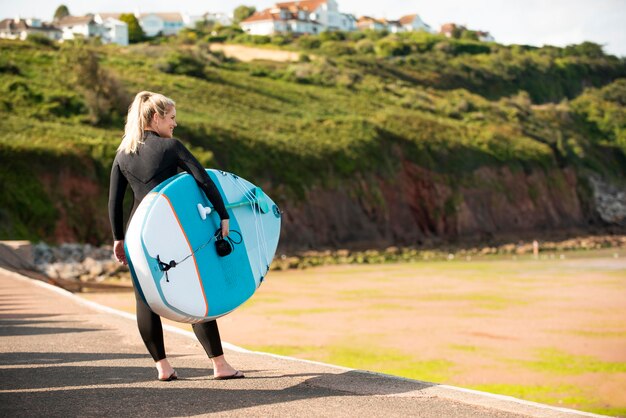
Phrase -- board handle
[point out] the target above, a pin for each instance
(203, 211)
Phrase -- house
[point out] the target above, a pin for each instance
(367, 22)
(451, 30)
(485, 36)
(393, 26)
(348, 22)
(273, 21)
(20, 29)
(412, 23)
(113, 30)
(154, 24)
(222, 19)
(406, 23)
(85, 26)
(299, 17)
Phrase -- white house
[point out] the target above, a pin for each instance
(20, 29)
(348, 22)
(412, 23)
(154, 24)
(84, 26)
(485, 36)
(394, 26)
(367, 22)
(190, 21)
(112, 29)
(299, 17)
(221, 18)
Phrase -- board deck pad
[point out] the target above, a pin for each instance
(169, 225)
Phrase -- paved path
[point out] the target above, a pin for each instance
(61, 356)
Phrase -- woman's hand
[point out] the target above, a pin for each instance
(224, 226)
(118, 251)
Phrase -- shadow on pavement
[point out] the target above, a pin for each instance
(12, 331)
(14, 325)
(169, 399)
(15, 359)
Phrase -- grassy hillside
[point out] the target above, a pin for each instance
(359, 107)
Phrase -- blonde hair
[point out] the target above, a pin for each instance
(140, 113)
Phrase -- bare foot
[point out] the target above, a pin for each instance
(165, 369)
(221, 368)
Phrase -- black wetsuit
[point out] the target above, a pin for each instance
(156, 160)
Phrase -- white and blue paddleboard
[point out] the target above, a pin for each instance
(170, 247)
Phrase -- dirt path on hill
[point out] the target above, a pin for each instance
(246, 53)
(552, 331)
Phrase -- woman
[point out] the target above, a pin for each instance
(147, 156)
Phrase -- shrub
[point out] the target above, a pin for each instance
(281, 40)
(336, 48)
(375, 35)
(183, 63)
(365, 46)
(215, 38)
(309, 42)
(355, 35)
(392, 47)
(65, 105)
(103, 94)
(43, 40)
(9, 67)
(328, 36)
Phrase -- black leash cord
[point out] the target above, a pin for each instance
(165, 267)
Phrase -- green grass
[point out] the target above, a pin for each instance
(377, 359)
(555, 361)
(569, 395)
(553, 394)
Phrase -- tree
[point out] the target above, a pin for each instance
(135, 32)
(61, 12)
(242, 13)
(585, 49)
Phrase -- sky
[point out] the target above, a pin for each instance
(530, 22)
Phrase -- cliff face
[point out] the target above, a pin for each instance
(419, 205)
(412, 207)
(80, 205)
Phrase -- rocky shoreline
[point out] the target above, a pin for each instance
(86, 263)
(80, 262)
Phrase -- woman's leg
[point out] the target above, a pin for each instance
(151, 331)
(209, 336)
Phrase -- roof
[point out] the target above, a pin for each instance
(262, 15)
(109, 15)
(168, 17)
(308, 5)
(75, 20)
(273, 14)
(448, 27)
(12, 25)
(408, 19)
(368, 19)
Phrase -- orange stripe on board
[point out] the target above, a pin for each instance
(206, 311)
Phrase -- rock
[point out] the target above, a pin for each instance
(610, 200)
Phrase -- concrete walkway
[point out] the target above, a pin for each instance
(63, 356)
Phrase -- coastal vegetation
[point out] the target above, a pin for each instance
(356, 105)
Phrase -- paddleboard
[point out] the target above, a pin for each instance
(171, 251)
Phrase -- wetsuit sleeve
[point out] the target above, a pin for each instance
(117, 189)
(188, 162)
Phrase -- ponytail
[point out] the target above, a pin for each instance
(140, 113)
